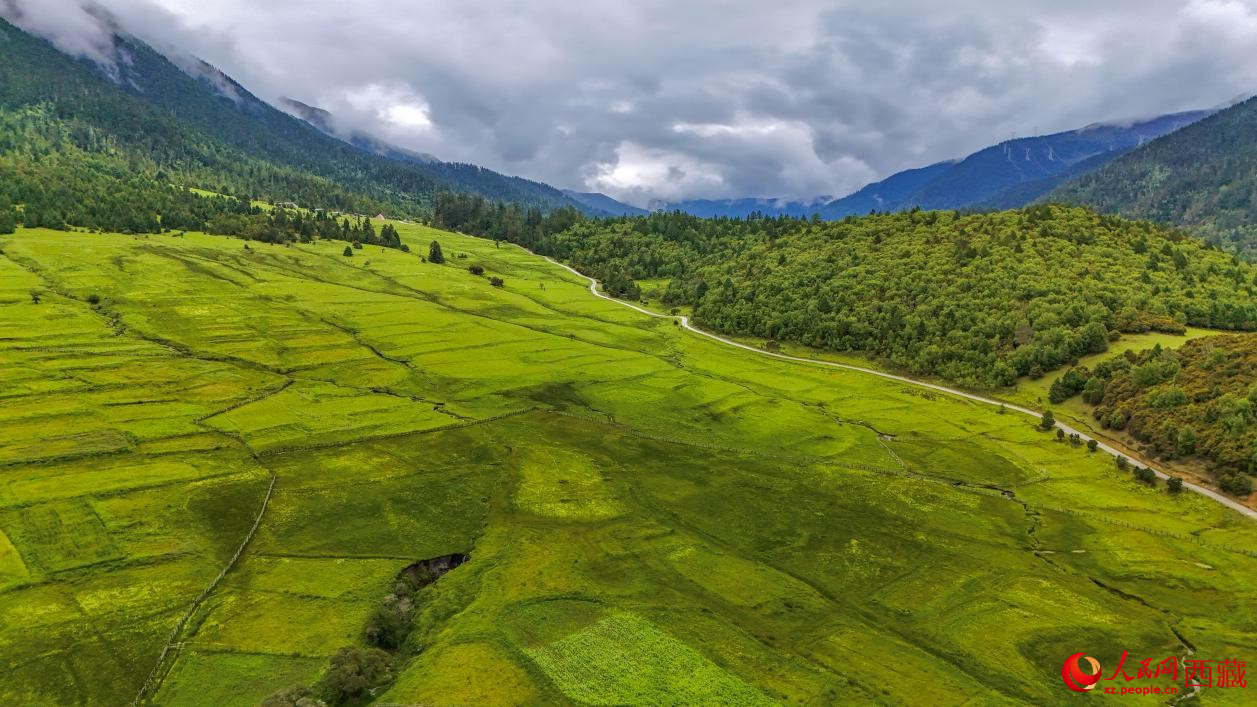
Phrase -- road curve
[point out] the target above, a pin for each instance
(685, 322)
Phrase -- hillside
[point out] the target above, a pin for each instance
(1203, 177)
(158, 122)
(1196, 402)
(979, 299)
(629, 494)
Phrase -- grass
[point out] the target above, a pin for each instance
(652, 517)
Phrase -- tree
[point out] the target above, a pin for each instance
(93, 299)
(354, 672)
(8, 221)
(1092, 445)
(497, 282)
(1060, 433)
(434, 253)
(387, 627)
(1174, 484)
(349, 252)
(1048, 421)
(1186, 442)
(1122, 463)
(1239, 484)
(475, 269)
(35, 296)
(1145, 475)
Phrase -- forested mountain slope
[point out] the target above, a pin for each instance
(146, 122)
(978, 299)
(1203, 177)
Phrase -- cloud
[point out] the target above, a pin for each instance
(74, 27)
(708, 98)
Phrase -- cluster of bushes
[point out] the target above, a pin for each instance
(1198, 401)
(356, 673)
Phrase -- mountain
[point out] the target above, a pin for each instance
(191, 124)
(1008, 175)
(604, 203)
(1203, 177)
(737, 208)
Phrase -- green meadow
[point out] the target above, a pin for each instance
(652, 517)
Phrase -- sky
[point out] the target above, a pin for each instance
(680, 99)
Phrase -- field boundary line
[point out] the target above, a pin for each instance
(155, 677)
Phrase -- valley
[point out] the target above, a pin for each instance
(761, 529)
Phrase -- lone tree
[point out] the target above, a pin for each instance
(475, 269)
(1060, 433)
(1092, 445)
(497, 282)
(434, 253)
(349, 252)
(1146, 475)
(1174, 484)
(1122, 463)
(1048, 421)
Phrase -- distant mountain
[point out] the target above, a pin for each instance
(1008, 175)
(736, 208)
(1203, 177)
(604, 203)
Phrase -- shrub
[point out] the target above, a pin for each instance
(349, 252)
(1146, 475)
(1174, 484)
(475, 269)
(1238, 484)
(434, 253)
(354, 672)
(1122, 463)
(497, 282)
(1092, 445)
(1048, 421)
(93, 299)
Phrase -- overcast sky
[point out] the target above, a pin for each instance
(672, 99)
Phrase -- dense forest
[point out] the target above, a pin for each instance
(1198, 401)
(1203, 177)
(979, 299)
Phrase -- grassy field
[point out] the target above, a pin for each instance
(652, 517)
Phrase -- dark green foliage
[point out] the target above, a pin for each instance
(8, 221)
(475, 269)
(349, 252)
(1195, 401)
(1145, 475)
(1174, 484)
(1092, 445)
(1068, 385)
(1060, 434)
(979, 299)
(497, 282)
(1048, 421)
(1203, 177)
(1122, 463)
(93, 299)
(353, 672)
(434, 253)
(1238, 483)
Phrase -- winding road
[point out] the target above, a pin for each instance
(685, 322)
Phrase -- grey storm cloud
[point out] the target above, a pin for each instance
(673, 99)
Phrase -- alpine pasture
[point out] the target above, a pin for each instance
(651, 517)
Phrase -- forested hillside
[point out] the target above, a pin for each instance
(122, 134)
(979, 299)
(1197, 401)
(1203, 177)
